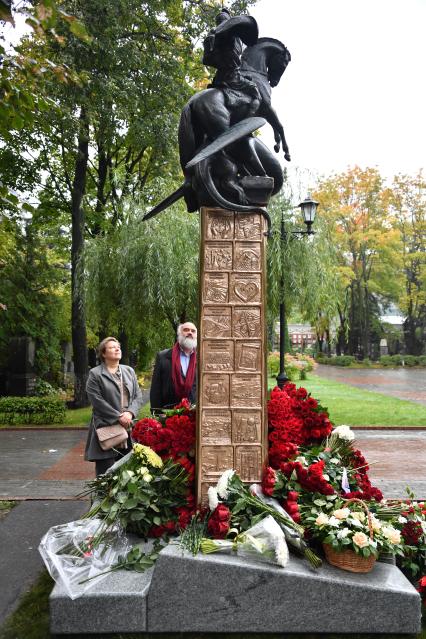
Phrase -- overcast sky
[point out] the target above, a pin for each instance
(355, 89)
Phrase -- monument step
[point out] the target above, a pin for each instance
(220, 593)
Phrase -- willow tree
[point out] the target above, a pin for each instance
(301, 268)
(143, 278)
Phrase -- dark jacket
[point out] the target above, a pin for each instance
(104, 395)
(162, 393)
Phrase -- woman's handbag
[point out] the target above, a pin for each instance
(115, 435)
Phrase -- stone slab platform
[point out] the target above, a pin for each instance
(218, 593)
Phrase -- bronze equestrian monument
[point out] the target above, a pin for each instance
(229, 176)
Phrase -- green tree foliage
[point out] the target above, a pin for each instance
(125, 69)
(408, 201)
(355, 206)
(33, 282)
(301, 268)
(143, 279)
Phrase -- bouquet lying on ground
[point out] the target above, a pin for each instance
(234, 509)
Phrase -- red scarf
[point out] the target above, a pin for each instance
(181, 385)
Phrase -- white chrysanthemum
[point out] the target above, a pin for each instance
(281, 551)
(147, 477)
(343, 533)
(213, 499)
(222, 484)
(333, 521)
(354, 522)
(402, 520)
(344, 432)
(302, 460)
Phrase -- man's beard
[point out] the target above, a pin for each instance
(187, 343)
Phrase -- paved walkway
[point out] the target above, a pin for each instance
(402, 383)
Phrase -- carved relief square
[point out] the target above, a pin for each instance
(219, 225)
(218, 355)
(216, 321)
(246, 426)
(248, 356)
(218, 256)
(215, 288)
(246, 391)
(248, 462)
(215, 460)
(215, 390)
(247, 256)
(246, 322)
(248, 226)
(245, 288)
(216, 427)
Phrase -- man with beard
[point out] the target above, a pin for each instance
(174, 376)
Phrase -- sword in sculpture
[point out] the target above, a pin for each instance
(233, 134)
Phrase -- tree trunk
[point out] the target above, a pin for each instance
(78, 315)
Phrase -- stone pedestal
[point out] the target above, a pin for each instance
(231, 430)
(220, 593)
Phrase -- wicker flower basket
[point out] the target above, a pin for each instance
(349, 559)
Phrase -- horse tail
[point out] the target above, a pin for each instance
(203, 174)
(186, 136)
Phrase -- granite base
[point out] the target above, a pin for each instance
(218, 593)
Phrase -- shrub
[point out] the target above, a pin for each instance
(411, 360)
(31, 410)
(391, 360)
(43, 388)
(422, 360)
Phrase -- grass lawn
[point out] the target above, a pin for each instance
(31, 621)
(356, 407)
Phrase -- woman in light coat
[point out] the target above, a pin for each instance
(104, 393)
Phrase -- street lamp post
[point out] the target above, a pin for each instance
(309, 208)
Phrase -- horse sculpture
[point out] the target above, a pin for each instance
(217, 149)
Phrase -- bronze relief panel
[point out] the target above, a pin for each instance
(218, 256)
(215, 390)
(248, 226)
(218, 355)
(246, 322)
(246, 391)
(216, 427)
(245, 288)
(215, 289)
(219, 225)
(246, 426)
(248, 462)
(216, 321)
(215, 460)
(248, 356)
(247, 256)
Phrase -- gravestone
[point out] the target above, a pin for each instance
(21, 377)
(231, 430)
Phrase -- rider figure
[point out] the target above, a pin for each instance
(222, 50)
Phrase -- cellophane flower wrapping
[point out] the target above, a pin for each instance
(263, 542)
(80, 553)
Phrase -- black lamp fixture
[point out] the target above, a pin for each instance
(309, 209)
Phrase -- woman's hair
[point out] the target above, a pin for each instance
(102, 346)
